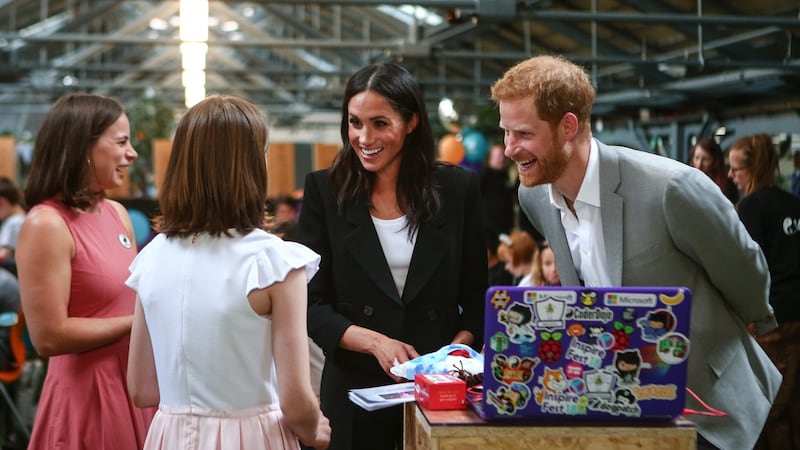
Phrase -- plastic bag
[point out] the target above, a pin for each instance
(453, 357)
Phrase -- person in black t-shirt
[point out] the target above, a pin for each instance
(772, 217)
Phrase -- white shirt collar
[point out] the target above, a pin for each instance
(589, 192)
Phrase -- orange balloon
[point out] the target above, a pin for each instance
(451, 149)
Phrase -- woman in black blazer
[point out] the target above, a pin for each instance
(403, 268)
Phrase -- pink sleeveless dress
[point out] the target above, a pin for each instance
(84, 402)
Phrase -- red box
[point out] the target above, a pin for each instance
(440, 391)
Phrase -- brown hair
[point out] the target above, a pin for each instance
(518, 247)
(557, 85)
(761, 158)
(718, 172)
(536, 268)
(216, 177)
(10, 191)
(69, 131)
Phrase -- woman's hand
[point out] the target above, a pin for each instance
(389, 352)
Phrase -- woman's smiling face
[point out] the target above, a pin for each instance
(377, 131)
(110, 155)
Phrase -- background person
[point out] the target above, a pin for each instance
(219, 333)
(498, 193)
(582, 195)
(795, 177)
(404, 268)
(498, 275)
(543, 270)
(517, 250)
(12, 214)
(707, 156)
(72, 256)
(772, 217)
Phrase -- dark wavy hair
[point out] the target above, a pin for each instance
(63, 143)
(416, 193)
(216, 177)
(718, 171)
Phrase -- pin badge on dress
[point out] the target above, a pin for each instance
(125, 241)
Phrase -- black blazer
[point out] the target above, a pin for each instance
(448, 271)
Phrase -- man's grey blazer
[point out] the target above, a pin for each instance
(667, 224)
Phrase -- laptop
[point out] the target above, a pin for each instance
(585, 352)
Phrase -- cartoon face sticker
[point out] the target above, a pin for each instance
(576, 330)
(518, 321)
(656, 324)
(627, 365)
(553, 381)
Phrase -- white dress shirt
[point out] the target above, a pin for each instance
(584, 229)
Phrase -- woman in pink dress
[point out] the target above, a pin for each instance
(219, 335)
(72, 256)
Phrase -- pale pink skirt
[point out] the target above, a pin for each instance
(186, 428)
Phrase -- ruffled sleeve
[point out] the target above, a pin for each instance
(141, 261)
(277, 259)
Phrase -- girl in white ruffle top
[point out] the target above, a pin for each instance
(219, 333)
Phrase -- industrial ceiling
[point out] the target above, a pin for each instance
(660, 57)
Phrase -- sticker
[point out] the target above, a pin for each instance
(550, 313)
(550, 349)
(498, 342)
(585, 354)
(672, 300)
(518, 320)
(627, 364)
(656, 324)
(500, 299)
(673, 348)
(507, 400)
(655, 392)
(510, 369)
(624, 404)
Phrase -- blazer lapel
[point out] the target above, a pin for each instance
(426, 257)
(559, 244)
(611, 206)
(362, 242)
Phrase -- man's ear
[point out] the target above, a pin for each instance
(569, 126)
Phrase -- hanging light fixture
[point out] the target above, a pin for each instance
(194, 47)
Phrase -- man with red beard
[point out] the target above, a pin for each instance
(615, 216)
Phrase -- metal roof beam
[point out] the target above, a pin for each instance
(792, 22)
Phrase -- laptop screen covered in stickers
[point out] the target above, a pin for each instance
(585, 352)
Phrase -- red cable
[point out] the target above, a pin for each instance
(711, 411)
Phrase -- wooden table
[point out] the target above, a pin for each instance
(464, 430)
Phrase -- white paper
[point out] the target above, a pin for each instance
(382, 396)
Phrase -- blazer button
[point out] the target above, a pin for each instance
(368, 311)
(432, 315)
